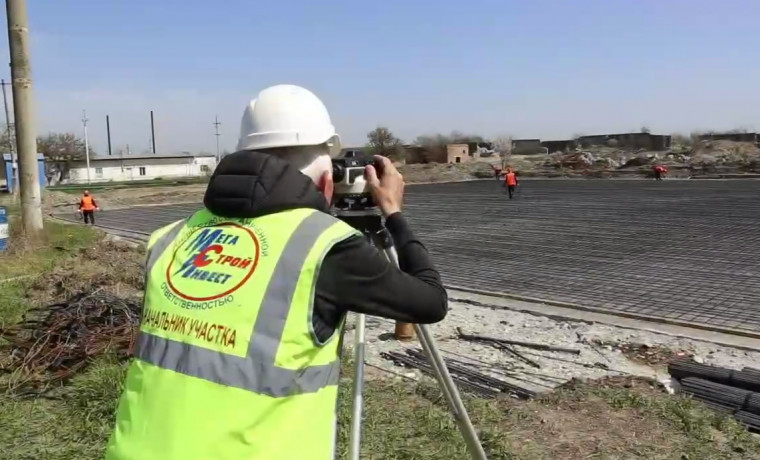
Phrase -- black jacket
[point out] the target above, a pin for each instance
(354, 276)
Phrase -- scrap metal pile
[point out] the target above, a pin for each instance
(482, 379)
(725, 390)
(53, 342)
(464, 375)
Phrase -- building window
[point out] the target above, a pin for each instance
(142, 170)
(99, 172)
(205, 168)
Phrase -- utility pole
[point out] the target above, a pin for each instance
(23, 111)
(152, 133)
(216, 126)
(108, 133)
(86, 144)
(11, 146)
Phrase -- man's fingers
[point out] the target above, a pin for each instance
(370, 175)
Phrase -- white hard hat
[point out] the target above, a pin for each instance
(285, 116)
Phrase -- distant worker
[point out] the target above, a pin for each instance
(87, 207)
(510, 181)
(238, 352)
(659, 172)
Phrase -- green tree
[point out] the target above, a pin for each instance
(60, 150)
(382, 142)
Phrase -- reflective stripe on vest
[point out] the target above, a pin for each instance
(256, 371)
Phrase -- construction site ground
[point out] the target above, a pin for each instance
(676, 251)
(623, 412)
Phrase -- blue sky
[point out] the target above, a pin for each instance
(530, 68)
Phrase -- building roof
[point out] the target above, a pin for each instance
(624, 134)
(148, 156)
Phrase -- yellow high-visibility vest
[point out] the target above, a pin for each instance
(227, 365)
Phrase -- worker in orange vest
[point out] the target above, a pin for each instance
(659, 172)
(511, 182)
(87, 207)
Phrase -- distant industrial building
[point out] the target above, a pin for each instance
(527, 147)
(559, 146)
(644, 141)
(117, 168)
(753, 138)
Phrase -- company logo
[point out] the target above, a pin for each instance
(213, 262)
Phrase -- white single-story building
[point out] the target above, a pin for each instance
(106, 168)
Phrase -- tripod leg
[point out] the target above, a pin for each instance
(445, 389)
(358, 389)
(448, 387)
(451, 392)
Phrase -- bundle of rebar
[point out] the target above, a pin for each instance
(746, 379)
(750, 420)
(466, 378)
(54, 342)
(723, 397)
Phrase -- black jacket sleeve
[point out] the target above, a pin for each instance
(357, 277)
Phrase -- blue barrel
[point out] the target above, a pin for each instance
(3, 229)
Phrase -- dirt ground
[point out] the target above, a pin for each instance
(56, 202)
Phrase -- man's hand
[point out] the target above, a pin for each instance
(386, 185)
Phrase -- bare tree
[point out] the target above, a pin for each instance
(382, 142)
(503, 145)
(60, 149)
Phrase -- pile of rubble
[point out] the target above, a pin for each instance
(703, 157)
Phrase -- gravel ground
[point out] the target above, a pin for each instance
(604, 350)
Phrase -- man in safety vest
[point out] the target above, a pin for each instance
(238, 354)
(87, 207)
(510, 180)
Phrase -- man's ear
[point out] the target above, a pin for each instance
(326, 186)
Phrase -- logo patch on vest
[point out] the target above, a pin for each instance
(213, 262)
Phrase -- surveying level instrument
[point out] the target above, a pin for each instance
(353, 204)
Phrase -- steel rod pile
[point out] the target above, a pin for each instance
(466, 378)
(721, 389)
(735, 398)
(745, 379)
(53, 342)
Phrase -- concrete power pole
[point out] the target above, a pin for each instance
(86, 144)
(23, 111)
(11, 142)
(216, 126)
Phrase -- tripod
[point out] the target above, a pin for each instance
(371, 225)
